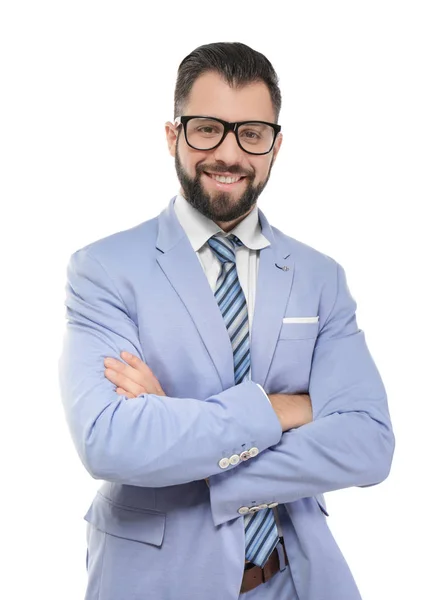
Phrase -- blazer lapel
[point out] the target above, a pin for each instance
(182, 267)
(274, 284)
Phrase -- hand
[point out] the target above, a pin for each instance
(132, 379)
(293, 410)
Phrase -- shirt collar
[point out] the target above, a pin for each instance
(199, 228)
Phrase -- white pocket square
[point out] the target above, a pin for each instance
(300, 319)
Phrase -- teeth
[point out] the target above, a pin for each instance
(223, 179)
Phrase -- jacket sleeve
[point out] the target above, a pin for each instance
(149, 440)
(350, 441)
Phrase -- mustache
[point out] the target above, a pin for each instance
(218, 170)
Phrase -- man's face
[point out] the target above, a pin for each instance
(225, 204)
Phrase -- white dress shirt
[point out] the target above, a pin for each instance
(199, 229)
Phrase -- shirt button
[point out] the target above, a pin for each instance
(234, 459)
(245, 455)
(253, 451)
(272, 504)
(223, 463)
(243, 510)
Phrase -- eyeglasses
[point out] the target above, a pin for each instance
(207, 133)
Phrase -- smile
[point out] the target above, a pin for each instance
(224, 181)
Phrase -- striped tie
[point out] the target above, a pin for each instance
(261, 533)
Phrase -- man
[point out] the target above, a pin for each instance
(248, 390)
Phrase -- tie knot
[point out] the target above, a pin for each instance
(224, 247)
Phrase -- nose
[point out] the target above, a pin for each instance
(229, 151)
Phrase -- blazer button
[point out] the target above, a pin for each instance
(254, 509)
(223, 463)
(263, 506)
(272, 504)
(243, 510)
(245, 455)
(253, 451)
(234, 459)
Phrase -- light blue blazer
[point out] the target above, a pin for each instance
(154, 529)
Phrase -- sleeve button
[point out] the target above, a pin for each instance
(243, 510)
(245, 455)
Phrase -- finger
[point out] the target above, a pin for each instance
(123, 392)
(116, 378)
(120, 380)
(125, 370)
(141, 367)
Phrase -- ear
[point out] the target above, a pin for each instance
(277, 146)
(171, 135)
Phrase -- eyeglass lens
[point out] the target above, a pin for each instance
(204, 134)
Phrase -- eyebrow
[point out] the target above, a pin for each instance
(238, 121)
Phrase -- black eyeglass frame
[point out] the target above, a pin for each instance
(183, 120)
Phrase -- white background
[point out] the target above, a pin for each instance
(86, 88)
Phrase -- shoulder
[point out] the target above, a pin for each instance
(306, 257)
(123, 246)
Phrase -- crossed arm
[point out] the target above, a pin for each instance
(348, 442)
(136, 377)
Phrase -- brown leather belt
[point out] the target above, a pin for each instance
(254, 575)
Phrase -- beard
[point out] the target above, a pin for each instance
(218, 206)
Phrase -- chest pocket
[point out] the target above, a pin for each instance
(290, 369)
(299, 330)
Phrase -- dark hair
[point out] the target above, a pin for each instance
(237, 63)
